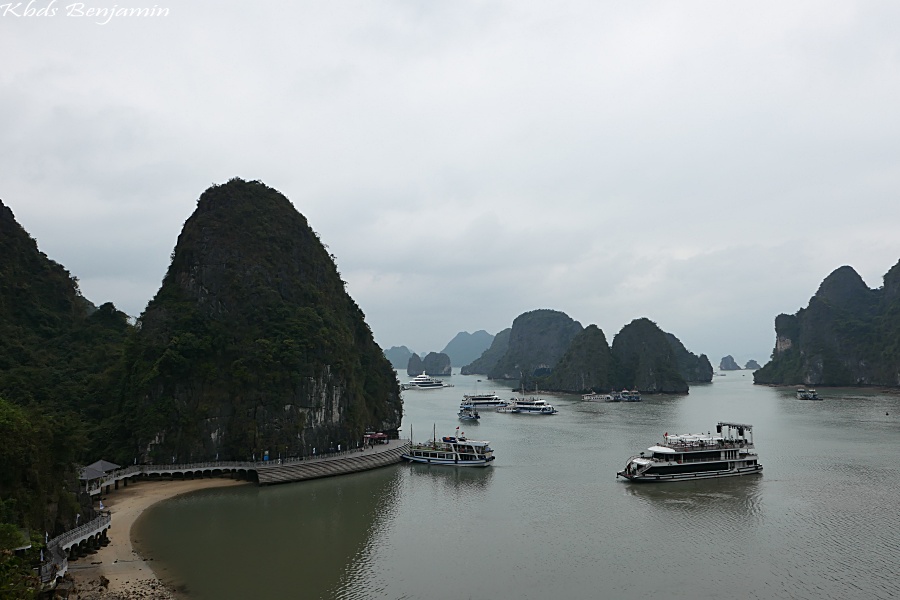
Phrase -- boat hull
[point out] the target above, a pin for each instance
(666, 478)
(448, 462)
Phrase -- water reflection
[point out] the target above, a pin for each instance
(726, 500)
(297, 533)
(451, 480)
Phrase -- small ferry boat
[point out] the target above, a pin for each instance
(453, 451)
(595, 397)
(728, 452)
(467, 412)
(807, 394)
(630, 396)
(534, 406)
(483, 400)
(423, 382)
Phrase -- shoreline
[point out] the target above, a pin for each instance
(118, 563)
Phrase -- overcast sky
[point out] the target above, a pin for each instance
(702, 164)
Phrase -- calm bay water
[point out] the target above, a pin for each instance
(550, 519)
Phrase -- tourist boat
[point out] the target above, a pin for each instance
(534, 406)
(454, 451)
(726, 453)
(423, 382)
(467, 412)
(595, 397)
(483, 400)
(807, 394)
(629, 396)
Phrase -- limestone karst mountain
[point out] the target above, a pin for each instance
(252, 344)
(59, 356)
(398, 356)
(849, 334)
(645, 359)
(729, 364)
(465, 347)
(537, 341)
(484, 363)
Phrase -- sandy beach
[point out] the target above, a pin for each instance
(128, 575)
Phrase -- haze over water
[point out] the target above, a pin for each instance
(550, 519)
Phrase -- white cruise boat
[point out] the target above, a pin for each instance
(726, 453)
(453, 451)
(483, 400)
(595, 397)
(534, 406)
(423, 382)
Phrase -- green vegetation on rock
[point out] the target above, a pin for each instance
(58, 357)
(586, 366)
(252, 344)
(645, 360)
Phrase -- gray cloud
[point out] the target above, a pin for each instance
(703, 164)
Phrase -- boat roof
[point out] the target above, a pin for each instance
(464, 441)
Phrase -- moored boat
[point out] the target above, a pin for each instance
(728, 452)
(483, 400)
(467, 412)
(595, 397)
(534, 406)
(453, 451)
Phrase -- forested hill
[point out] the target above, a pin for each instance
(58, 357)
(252, 344)
(847, 335)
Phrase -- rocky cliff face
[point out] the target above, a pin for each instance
(645, 359)
(252, 343)
(847, 335)
(693, 368)
(537, 341)
(415, 366)
(437, 363)
(490, 357)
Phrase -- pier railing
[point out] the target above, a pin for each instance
(57, 563)
(96, 486)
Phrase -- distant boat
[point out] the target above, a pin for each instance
(482, 400)
(630, 396)
(535, 406)
(595, 397)
(623, 396)
(424, 382)
(467, 412)
(807, 394)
